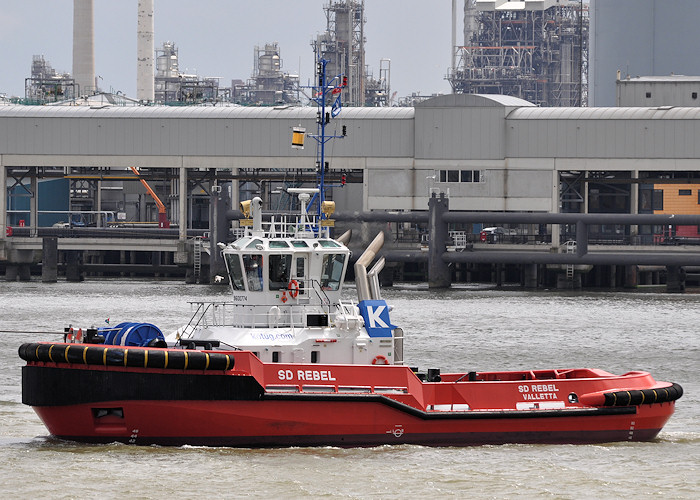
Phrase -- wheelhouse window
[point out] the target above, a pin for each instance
(279, 271)
(253, 265)
(332, 271)
(328, 244)
(235, 271)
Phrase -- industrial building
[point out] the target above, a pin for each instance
(536, 50)
(486, 153)
(521, 157)
(671, 90)
(640, 38)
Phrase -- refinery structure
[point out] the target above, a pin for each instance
(268, 85)
(343, 45)
(159, 79)
(171, 86)
(536, 50)
(46, 84)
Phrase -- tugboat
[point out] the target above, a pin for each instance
(287, 361)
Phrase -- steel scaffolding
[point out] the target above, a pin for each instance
(524, 50)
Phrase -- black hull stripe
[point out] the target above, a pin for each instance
(48, 386)
(368, 440)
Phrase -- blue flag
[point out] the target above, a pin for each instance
(336, 107)
(376, 316)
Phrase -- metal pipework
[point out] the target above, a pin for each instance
(556, 218)
(361, 281)
(522, 218)
(345, 237)
(256, 209)
(373, 278)
(416, 217)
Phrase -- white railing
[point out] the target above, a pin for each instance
(245, 316)
(308, 226)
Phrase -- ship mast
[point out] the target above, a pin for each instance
(325, 91)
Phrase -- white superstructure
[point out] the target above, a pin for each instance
(286, 279)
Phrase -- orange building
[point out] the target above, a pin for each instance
(678, 199)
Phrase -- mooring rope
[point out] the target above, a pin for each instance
(32, 333)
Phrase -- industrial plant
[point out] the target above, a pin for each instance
(514, 151)
(269, 84)
(174, 87)
(535, 50)
(48, 85)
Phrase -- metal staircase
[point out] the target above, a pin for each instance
(197, 257)
(570, 247)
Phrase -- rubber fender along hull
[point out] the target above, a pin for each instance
(644, 396)
(634, 397)
(132, 357)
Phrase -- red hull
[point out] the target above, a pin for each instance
(104, 394)
(256, 424)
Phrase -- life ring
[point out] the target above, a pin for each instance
(380, 360)
(482, 236)
(293, 289)
(283, 298)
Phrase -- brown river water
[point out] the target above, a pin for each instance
(461, 329)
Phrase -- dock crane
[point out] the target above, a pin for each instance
(163, 221)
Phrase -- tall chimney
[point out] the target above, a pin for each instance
(144, 52)
(83, 47)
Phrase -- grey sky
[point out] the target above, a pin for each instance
(217, 38)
